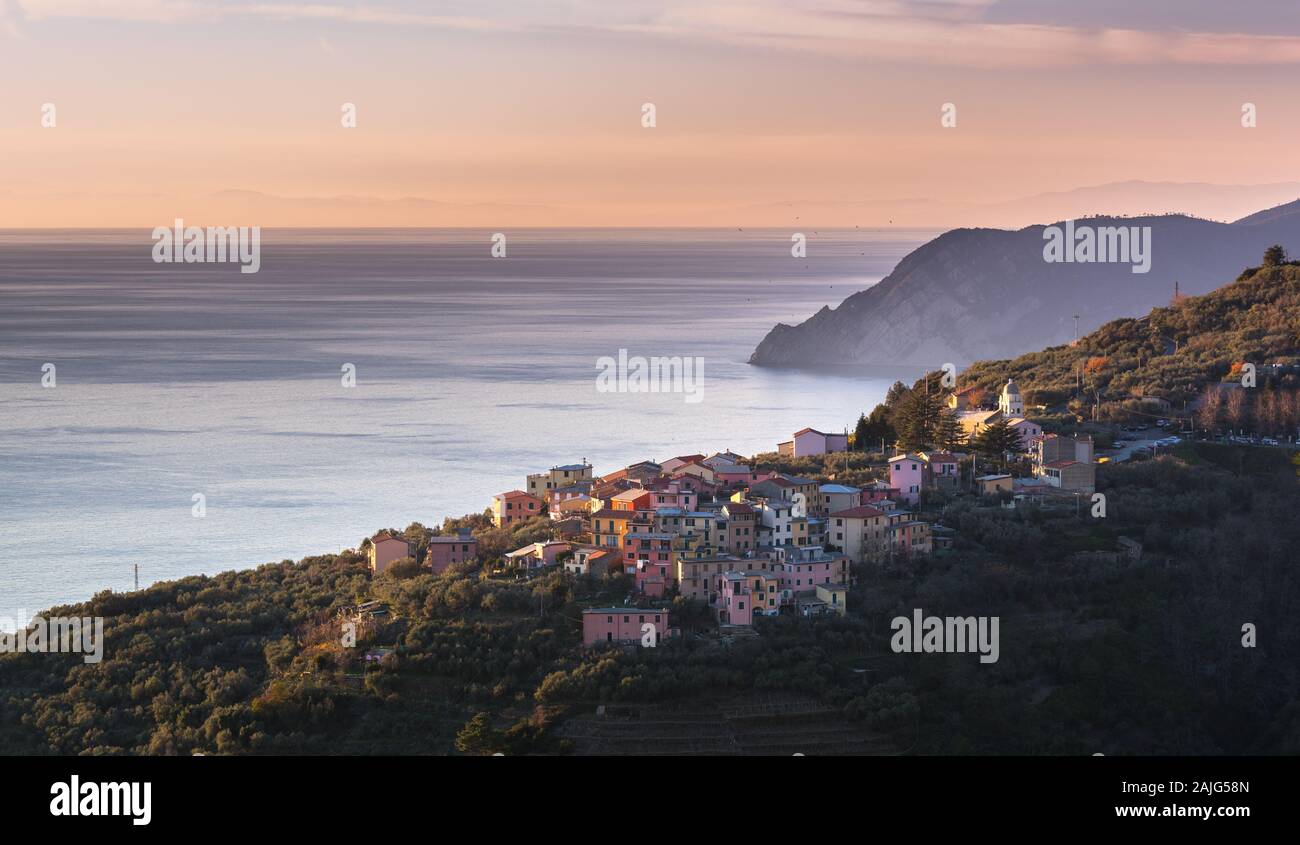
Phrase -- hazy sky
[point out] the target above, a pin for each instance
(530, 112)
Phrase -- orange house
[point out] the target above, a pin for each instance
(515, 506)
(630, 500)
(385, 549)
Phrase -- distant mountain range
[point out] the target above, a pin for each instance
(978, 294)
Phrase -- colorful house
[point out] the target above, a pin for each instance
(514, 506)
(966, 399)
(680, 461)
(652, 579)
(908, 536)
(539, 484)
(862, 533)
(908, 474)
(385, 550)
(653, 546)
(943, 468)
(590, 560)
(623, 625)
(743, 595)
(537, 555)
(739, 534)
(445, 550)
(696, 574)
(837, 497)
(835, 596)
(801, 569)
(631, 500)
(990, 484)
(810, 441)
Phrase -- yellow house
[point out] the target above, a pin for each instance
(993, 484)
(836, 597)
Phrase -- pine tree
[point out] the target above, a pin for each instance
(997, 438)
(916, 418)
(950, 435)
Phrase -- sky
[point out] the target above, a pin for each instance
(504, 112)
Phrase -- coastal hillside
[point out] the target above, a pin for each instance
(1172, 353)
(979, 294)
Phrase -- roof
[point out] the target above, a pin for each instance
(451, 538)
(908, 456)
(992, 477)
(942, 458)
(573, 467)
(839, 488)
(534, 548)
(860, 512)
(380, 538)
(625, 610)
(511, 493)
(1060, 464)
(738, 507)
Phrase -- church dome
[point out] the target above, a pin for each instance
(1011, 389)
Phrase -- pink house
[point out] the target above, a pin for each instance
(654, 546)
(908, 474)
(735, 476)
(623, 625)
(455, 548)
(385, 549)
(742, 595)
(802, 568)
(652, 579)
(671, 494)
(943, 467)
(680, 461)
(810, 441)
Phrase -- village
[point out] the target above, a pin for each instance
(748, 542)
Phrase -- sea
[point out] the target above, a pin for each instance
(165, 420)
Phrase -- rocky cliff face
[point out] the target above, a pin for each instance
(974, 294)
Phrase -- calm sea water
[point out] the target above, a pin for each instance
(471, 372)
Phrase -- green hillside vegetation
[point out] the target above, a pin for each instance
(1173, 353)
(1116, 657)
